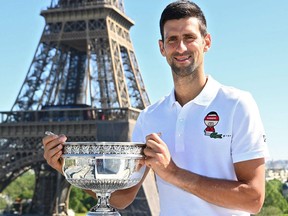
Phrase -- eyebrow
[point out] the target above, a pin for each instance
(184, 35)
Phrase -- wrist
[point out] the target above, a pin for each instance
(173, 174)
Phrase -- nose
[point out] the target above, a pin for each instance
(181, 47)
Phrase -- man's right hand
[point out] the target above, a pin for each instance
(53, 145)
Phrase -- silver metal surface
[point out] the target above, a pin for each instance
(103, 167)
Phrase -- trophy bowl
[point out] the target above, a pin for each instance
(103, 167)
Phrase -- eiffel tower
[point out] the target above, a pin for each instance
(84, 81)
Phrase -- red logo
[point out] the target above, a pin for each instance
(211, 120)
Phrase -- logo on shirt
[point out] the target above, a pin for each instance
(211, 120)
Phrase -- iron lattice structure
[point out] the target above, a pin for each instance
(85, 56)
(84, 81)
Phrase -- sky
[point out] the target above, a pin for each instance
(249, 51)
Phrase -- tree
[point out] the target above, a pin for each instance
(22, 187)
(270, 211)
(275, 203)
(3, 203)
(274, 196)
(20, 192)
(80, 201)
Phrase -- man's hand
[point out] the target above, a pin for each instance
(53, 145)
(158, 157)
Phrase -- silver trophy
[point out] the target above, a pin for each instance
(103, 167)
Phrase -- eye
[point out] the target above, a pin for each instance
(171, 40)
(190, 38)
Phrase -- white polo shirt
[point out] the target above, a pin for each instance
(220, 127)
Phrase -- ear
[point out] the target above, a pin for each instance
(161, 47)
(207, 41)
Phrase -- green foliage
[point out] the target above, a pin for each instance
(270, 211)
(22, 187)
(275, 204)
(3, 203)
(80, 201)
(274, 196)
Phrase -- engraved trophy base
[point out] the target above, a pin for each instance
(103, 207)
(101, 212)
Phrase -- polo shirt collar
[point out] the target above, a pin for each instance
(205, 97)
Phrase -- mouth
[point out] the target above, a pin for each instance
(182, 58)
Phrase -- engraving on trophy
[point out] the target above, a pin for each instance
(103, 167)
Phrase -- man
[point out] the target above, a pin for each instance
(205, 141)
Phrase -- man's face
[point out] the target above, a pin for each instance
(183, 45)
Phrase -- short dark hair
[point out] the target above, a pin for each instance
(183, 9)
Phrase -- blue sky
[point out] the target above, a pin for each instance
(249, 51)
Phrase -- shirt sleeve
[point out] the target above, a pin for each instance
(249, 138)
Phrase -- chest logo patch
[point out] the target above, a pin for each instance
(211, 120)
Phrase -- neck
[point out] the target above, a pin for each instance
(189, 87)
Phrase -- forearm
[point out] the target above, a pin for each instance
(122, 198)
(224, 193)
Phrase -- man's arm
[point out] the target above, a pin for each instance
(246, 194)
